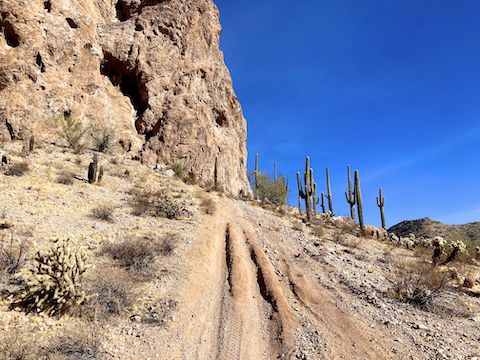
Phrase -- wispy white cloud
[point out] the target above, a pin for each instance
(461, 139)
(461, 216)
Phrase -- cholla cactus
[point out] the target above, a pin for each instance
(51, 283)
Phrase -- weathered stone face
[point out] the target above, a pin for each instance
(150, 69)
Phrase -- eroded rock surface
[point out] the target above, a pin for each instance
(150, 69)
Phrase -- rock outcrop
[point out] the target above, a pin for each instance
(151, 70)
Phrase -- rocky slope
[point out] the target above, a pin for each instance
(149, 69)
(429, 228)
(236, 281)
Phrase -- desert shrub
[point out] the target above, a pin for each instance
(419, 284)
(132, 254)
(14, 345)
(85, 345)
(110, 294)
(208, 206)
(103, 212)
(270, 190)
(103, 140)
(18, 169)
(318, 231)
(158, 203)
(168, 244)
(13, 253)
(65, 177)
(73, 132)
(178, 169)
(51, 284)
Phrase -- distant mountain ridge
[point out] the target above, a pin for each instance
(427, 227)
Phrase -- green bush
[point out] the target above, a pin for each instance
(270, 190)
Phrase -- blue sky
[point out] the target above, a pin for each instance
(390, 87)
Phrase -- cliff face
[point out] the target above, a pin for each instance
(150, 69)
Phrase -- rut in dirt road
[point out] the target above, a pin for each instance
(254, 309)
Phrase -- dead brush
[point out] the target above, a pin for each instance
(158, 203)
(15, 345)
(86, 344)
(111, 294)
(426, 287)
(138, 255)
(208, 206)
(103, 212)
(13, 253)
(18, 169)
(65, 177)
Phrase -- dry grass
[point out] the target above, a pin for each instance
(138, 255)
(13, 253)
(208, 206)
(427, 287)
(112, 293)
(103, 212)
(18, 169)
(158, 203)
(65, 177)
(85, 345)
(14, 345)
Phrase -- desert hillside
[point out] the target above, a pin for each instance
(176, 272)
(430, 228)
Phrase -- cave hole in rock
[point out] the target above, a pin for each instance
(221, 119)
(12, 38)
(47, 5)
(39, 62)
(129, 79)
(71, 23)
(124, 10)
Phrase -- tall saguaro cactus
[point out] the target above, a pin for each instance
(358, 199)
(350, 196)
(323, 203)
(329, 192)
(307, 193)
(381, 205)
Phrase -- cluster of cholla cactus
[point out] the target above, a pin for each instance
(307, 191)
(95, 173)
(51, 283)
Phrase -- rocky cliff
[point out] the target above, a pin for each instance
(150, 69)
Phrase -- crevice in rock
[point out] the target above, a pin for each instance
(71, 23)
(39, 62)
(12, 38)
(47, 5)
(221, 118)
(129, 78)
(124, 10)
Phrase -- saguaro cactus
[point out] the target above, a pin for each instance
(299, 204)
(315, 199)
(307, 193)
(31, 143)
(275, 171)
(93, 170)
(350, 196)
(329, 192)
(323, 203)
(381, 205)
(358, 199)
